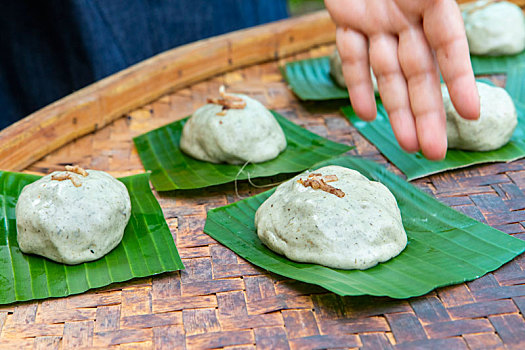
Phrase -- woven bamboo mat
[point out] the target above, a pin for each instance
(220, 300)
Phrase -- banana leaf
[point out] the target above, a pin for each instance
(496, 64)
(172, 169)
(310, 80)
(444, 247)
(515, 84)
(147, 248)
(415, 165)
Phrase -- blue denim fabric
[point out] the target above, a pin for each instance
(51, 48)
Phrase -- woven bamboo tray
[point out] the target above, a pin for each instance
(220, 300)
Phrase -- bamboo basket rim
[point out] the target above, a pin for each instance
(101, 102)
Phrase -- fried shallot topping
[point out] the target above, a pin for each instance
(67, 176)
(318, 181)
(478, 7)
(227, 101)
(75, 181)
(61, 177)
(77, 170)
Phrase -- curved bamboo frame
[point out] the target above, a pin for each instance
(98, 104)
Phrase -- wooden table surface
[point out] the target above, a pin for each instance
(220, 300)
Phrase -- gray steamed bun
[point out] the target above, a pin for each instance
(356, 228)
(234, 136)
(71, 218)
(494, 29)
(493, 129)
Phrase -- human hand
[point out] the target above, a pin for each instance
(404, 41)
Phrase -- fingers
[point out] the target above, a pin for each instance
(353, 48)
(393, 90)
(419, 67)
(409, 81)
(444, 28)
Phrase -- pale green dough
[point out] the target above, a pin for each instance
(251, 134)
(336, 71)
(357, 231)
(495, 29)
(493, 129)
(72, 224)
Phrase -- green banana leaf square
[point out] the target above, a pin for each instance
(496, 64)
(444, 246)
(147, 248)
(310, 80)
(171, 169)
